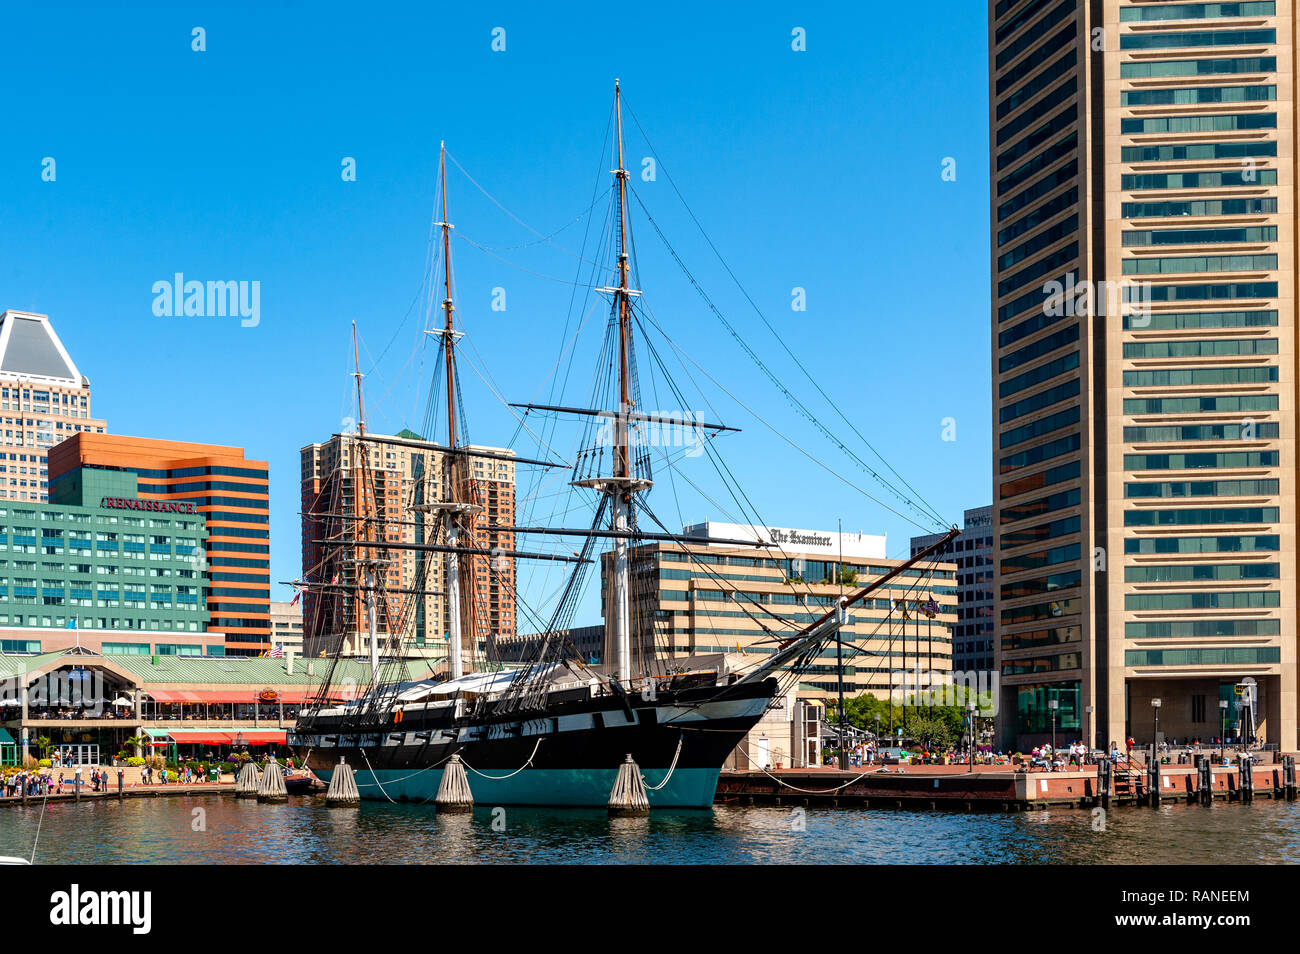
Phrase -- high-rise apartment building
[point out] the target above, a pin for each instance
(972, 552)
(43, 400)
(1144, 259)
(407, 474)
(227, 489)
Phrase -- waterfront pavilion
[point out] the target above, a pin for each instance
(90, 704)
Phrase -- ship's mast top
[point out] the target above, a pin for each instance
(622, 459)
(356, 374)
(448, 331)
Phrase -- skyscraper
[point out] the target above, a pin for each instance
(972, 552)
(44, 399)
(1144, 259)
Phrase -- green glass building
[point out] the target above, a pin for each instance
(104, 558)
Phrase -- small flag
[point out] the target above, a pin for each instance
(334, 580)
(277, 652)
(297, 594)
(931, 608)
(72, 623)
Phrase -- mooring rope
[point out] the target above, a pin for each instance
(404, 777)
(497, 778)
(672, 768)
(376, 777)
(795, 788)
(37, 840)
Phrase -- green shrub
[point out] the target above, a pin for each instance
(45, 763)
(134, 761)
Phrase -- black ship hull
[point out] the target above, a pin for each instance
(567, 754)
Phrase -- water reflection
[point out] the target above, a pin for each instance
(206, 830)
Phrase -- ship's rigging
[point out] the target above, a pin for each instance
(612, 462)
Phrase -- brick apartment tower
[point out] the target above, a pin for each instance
(403, 468)
(1144, 457)
(231, 492)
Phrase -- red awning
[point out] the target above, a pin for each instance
(202, 696)
(258, 737)
(201, 738)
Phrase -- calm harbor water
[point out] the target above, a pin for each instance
(162, 831)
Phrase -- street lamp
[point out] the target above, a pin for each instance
(1053, 705)
(1155, 737)
(1223, 725)
(971, 708)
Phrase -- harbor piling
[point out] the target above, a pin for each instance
(272, 787)
(1288, 778)
(343, 786)
(1246, 777)
(248, 781)
(454, 793)
(629, 796)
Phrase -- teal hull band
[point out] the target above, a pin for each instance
(560, 788)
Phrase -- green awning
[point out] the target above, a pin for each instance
(157, 733)
(6, 738)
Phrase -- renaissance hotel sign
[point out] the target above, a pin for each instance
(156, 506)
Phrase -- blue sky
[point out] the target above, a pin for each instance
(818, 169)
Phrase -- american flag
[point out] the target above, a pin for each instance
(297, 594)
(277, 652)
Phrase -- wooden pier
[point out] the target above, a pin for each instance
(998, 788)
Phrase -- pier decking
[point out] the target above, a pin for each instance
(987, 788)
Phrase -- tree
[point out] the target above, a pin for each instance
(43, 745)
(137, 742)
(930, 732)
(909, 711)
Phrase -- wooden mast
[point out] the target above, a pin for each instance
(452, 507)
(623, 466)
(624, 483)
(361, 507)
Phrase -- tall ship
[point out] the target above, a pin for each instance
(554, 728)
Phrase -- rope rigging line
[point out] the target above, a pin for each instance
(838, 476)
(918, 506)
(799, 364)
